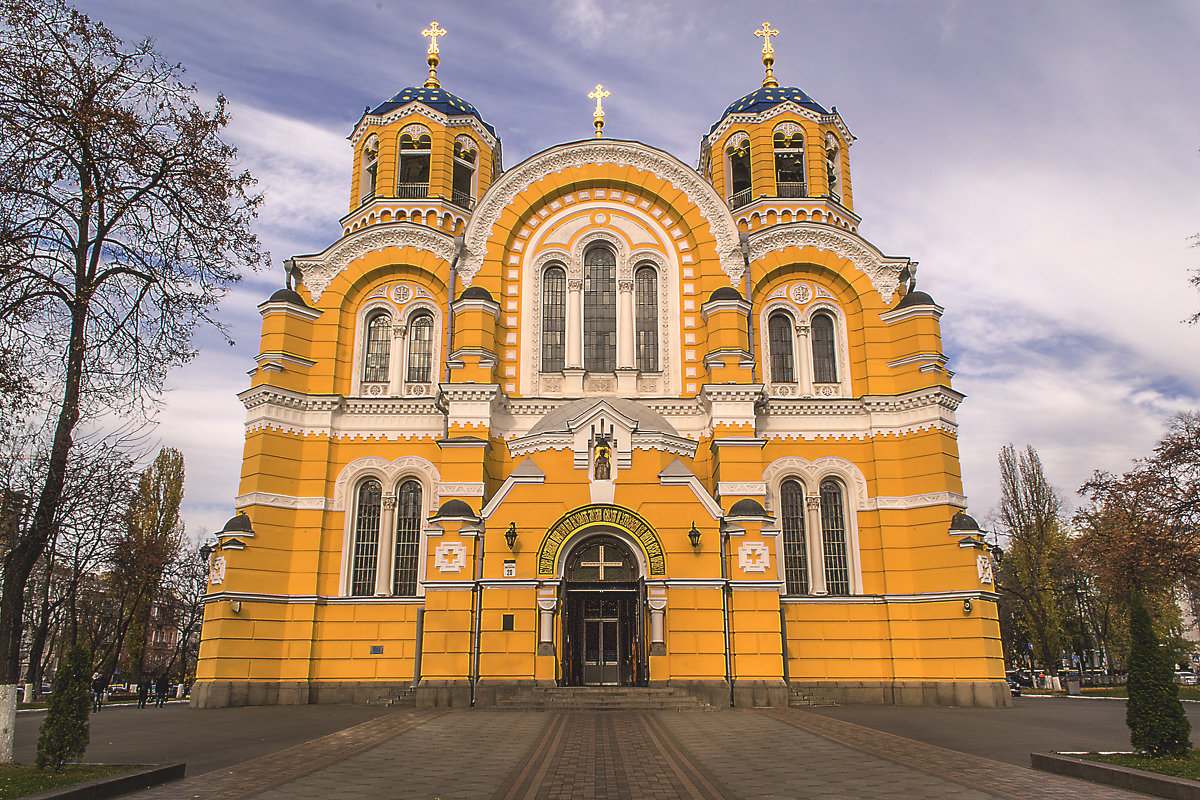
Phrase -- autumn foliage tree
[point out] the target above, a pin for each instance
(122, 224)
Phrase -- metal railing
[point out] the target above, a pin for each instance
(791, 188)
(406, 191)
(741, 198)
(462, 200)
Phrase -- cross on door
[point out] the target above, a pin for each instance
(601, 563)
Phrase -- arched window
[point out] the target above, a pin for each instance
(413, 179)
(789, 165)
(600, 310)
(554, 319)
(795, 551)
(833, 538)
(420, 348)
(465, 156)
(379, 339)
(737, 157)
(779, 331)
(646, 318)
(824, 352)
(370, 168)
(366, 538)
(833, 167)
(408, 538)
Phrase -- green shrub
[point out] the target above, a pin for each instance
(1157, 724)
(65, 732)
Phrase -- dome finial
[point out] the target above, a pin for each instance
(766, 32)
(598, 117)
(433, 32)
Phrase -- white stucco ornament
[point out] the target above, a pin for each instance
(754, 557)
(216, 575)
(984, 562)
(450, 557)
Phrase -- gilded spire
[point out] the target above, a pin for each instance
(433, 32)
(598, 117)
(766, 32)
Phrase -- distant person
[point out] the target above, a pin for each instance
(161, 688)
(143, 691)
(97, 691)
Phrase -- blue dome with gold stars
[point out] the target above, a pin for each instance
(769, 97)
(435, 98)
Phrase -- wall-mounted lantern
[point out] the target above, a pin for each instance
(510, 536)
(694, 536)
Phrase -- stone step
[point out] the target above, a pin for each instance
(602, 698)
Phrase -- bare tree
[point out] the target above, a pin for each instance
(122, 224)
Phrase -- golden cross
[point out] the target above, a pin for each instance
(433, 32)
(598, 117)
(601, 563)
(766, 32)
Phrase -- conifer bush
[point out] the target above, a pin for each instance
(1157, 724)
(65, 732)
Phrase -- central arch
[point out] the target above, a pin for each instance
(626, 524)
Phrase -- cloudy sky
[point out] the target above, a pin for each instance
(1040, 160)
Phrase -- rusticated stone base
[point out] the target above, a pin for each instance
(978, 694)
(443, 694)
(223, 694)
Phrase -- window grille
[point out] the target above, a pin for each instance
(600, 310)
(789, 165)
(420, 348)
(779, 331)
(795, 553)
(646, 319)
(554, 320)
(824, 352)
(366, 538)
(833, 534)
(739, 167)
(413, 180)
(379, 336)
(408, 538)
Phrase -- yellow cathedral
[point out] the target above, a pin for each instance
(600, 419)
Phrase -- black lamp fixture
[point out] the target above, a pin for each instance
(694, 536)
(510, 536)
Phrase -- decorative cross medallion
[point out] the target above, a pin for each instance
(433, 32)
(601, 563)
(765, 33)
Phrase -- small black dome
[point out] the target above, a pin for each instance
(964, 523)
(288, 296)
(725, 293)
(747, 508)
(455, 508)
(915, 298)
(476, 293)
(238, 523)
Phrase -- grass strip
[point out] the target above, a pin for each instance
(19, 780)
(1186, 767)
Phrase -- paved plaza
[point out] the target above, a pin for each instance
(836, 752)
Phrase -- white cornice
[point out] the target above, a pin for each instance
(291, 309)
(786, 107)
(417, 107)
(911, 312)
(317, 271)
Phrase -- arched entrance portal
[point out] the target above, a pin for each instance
(604, 641)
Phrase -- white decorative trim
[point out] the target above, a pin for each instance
(317, 271)
(787, 107)
(465, 120)
(691, 481)
(460, 489)
(216, 573)
(291, 309)
(984, 564)
(752, 488)
(911, 312)
(811, 473)
(416, 130)
(878, 599)
(905, 502)
(280, 501)
(450, 557)
(699, 192)
(754, 557)
(789, 128)
(389, 474)
(883, 271)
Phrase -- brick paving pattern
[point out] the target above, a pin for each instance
(253, 777)
(980, 774)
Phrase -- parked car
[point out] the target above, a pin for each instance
(1185, 677)
(1021, 676)
(120, 692)
(1014, 687)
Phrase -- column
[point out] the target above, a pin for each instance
(803, 356)
(816, 551)
(547, 601)
(386, 553)
(574, 323)
(656, 601)
(396, 360)
(625, 334)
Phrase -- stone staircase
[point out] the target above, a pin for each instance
(799, 697)
(603, 698)
(399, 698)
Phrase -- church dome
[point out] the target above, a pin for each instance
(476, 293)
(286, 295)
(768, 97)
(914, 298)
(648, 420)
(435, 98)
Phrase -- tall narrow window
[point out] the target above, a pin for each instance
(779, 331)
(420, 348)
(600, 310)
(737, 156)
(366, 538)
(463, 187)
(370, 168)
(554, 319)
(833, 167)
(789, 165)
(408, 538)
(795, 551)
(413, 180)
(824, 351)
(379, 340)
(833, 538)
(646, 318)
